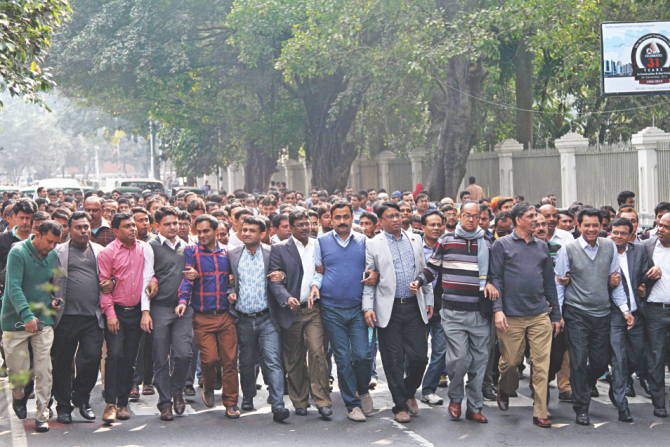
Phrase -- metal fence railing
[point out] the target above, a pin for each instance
(484, 167)
(601, 175)
(537, 173)
(663, 163)
(400, 175)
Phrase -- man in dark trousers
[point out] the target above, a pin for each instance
(302, 332)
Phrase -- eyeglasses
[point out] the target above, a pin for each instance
(504, 232)
(448, 215)
(422, 201)
(392, 217)
(470, 216)
(302, 225)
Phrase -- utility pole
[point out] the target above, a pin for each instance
(151, 147)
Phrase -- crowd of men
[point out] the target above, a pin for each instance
(166, 292)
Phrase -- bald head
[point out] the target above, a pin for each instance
(550, 214)
(547, 201)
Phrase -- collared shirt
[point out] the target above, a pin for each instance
(561, 237)
(428, 252)
(317, 279)
(403, 262)
(660, 293)
(357, 215)
(149, 259)
(307, 257)
(252, 297)
(130, 270)
(234, 241)
(208, 291)
(623, 261)
(563, 268)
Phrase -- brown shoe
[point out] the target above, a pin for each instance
(476, 417)
(413, 406)
(123, 414)
(454, 410)
(135, 392)
(208, 396)
(166, 413)
(503, 400)
(544, 423)
(109, 415)
(179, 404)
(148, 390)
(232, 412)
(403, 417)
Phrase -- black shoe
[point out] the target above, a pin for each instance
(583, 419)
(594, 391)
(513, 394)
(19, 406)
(565, 397)
(489, 394)
(280, 414)
(645, 387)
(624, 416)
(325, 412)
(189, 391)
(630, 391)
(248, 403)
(64, 418)
(51, 413)
(660, 412)
(301, 411)
(86, 412)
(200, 383)
(259, 386)
(41, 427)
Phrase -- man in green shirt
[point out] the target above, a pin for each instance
(26, 317)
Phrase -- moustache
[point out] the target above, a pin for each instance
(342, 226)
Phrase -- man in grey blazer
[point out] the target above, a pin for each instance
(302, 331)
(400, 315)
(78, 324)
(257, 316)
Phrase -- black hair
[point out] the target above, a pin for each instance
(122, 200)
(622, 197)
(463, 193)
(118, 218)
(427, 214)
(41, 201)
(341, 204)
(472, 180)
(165, 211)
(622, 221)
(504, 215)
(662, 206)
(79, 215)
(242, 211)
(382, 207)
(184, 215)
(255, 220)
(323, 209)
(61, 213)
(196, 204)
(139, 209)
(371, 216)
(213, 222)
(519, 197)
(590, 212)
(422, 195)
(269, 201)
(295, 216)
(25, 205)
(278, 219)
(570, 214)
(486, 208)
(50, 226)
(39, 216)
(520, 209)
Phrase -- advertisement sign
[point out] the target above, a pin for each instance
(635, 58)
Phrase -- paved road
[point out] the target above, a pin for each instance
(203, 427)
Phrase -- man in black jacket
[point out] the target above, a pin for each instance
(302, 333)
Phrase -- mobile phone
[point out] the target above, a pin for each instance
(40, 326)
(366, 275)
(58, 302)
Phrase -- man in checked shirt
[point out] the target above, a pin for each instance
(213, 326)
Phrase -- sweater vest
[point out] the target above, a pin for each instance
(169, 268)
(589, 279)
(342, 286)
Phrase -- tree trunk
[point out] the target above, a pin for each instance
(329, 119)
(259, 169)
(454, 126)
(523, 68)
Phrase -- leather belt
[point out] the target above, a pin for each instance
(406, 300)
(255, 314)
(212, 312)
(306, 304)
(663, 305)
(126, 308)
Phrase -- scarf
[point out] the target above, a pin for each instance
(482, 251)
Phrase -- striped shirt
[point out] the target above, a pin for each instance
(457, 259)
(402, 253)
(208, 291)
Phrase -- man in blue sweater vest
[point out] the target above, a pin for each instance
(342, 253)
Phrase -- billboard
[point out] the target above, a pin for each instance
(635, 58)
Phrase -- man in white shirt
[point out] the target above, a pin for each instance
(302, 333)
(554, 234)
(238, 218)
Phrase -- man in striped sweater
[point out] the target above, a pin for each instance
(463, 258)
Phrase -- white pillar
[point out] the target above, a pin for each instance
(567, 145)
(646, 143)
(235, 177)
(417, 156)
(289, 166)
(355, 174)
(307, 166)
(506, 165)
(384, 171)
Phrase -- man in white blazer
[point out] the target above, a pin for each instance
(399, 315)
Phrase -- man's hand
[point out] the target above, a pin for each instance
(293, 303)
(654, 273)
(232, 297)
(152, 289)
(179, 310)
(276, 276)
(320, 269)
(414, 287)
(372, 279)
(31, 326)
(558, 327)
(231, 279)
(113, 325)
(630, 319)
(147, 324)
(642, 290)
(491, 292)
(107, 286)
(501, 321)
(314, 293)
(615, 279)
(429, 311)
(53, 304)
(191, 274)
(370, 318)
(564, 281)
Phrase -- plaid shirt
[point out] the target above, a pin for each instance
(208, 291)
(403, 262)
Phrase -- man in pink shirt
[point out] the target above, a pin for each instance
(124, 262)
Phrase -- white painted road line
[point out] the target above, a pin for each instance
(18, 432)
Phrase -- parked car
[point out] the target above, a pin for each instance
(142, 183)
(195, 189)
(66, 184)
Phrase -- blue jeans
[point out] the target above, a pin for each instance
(348, 336)
(253, 335)
(374, 347)
(438, 346)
